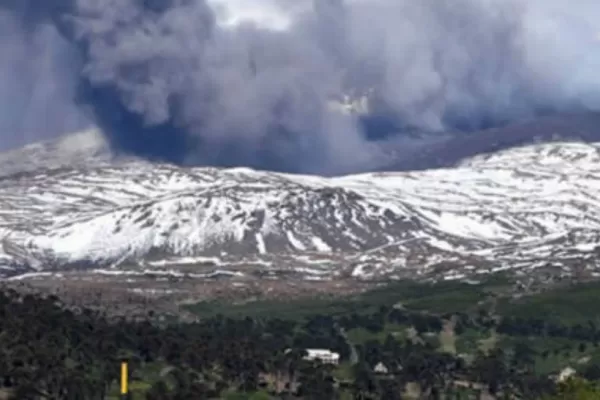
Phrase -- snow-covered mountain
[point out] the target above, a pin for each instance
(68, 205)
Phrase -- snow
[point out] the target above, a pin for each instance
(310, 271)
(586, 246)
(359, 271)
(467, 227)
(120, 210)
(297, 244)
(320, 245)
(186, 260)
(30, 275)
(260, 243)
(441, 244)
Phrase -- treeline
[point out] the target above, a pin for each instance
(49, 352)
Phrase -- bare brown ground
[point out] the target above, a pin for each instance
(140, 295)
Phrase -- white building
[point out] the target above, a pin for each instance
(565, 374)
(326, 356)
(380, 368)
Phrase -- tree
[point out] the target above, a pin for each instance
(316, 382)
(576, 389)
(592, 372)
(365, 384)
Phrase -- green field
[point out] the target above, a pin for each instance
(565, 305)
(440, 298)
(447, 336)
(570, 305)
(577, 303)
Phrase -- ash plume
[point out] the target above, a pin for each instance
(38, 78)
(171, 80)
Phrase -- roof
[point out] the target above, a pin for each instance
(321, 352)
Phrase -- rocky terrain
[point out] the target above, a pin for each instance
(67, 207)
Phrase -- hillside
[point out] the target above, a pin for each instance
(521, 208)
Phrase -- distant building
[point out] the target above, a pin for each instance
(381, 369)
(325, 356)
(565, 374)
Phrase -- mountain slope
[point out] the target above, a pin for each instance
(447, 150)
(519, 208)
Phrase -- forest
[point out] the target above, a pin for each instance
(388, 350)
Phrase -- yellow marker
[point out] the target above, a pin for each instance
(124, 378)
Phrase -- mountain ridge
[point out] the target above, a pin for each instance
(519, 208)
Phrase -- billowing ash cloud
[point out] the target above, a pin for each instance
(178, 80)
(38, 76)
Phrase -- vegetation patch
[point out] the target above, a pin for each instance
(431, 340)
(439, 298)
(571, 304)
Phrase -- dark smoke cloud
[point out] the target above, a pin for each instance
(166, 79)
(37, 84)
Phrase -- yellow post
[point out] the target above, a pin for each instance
(124, 379)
